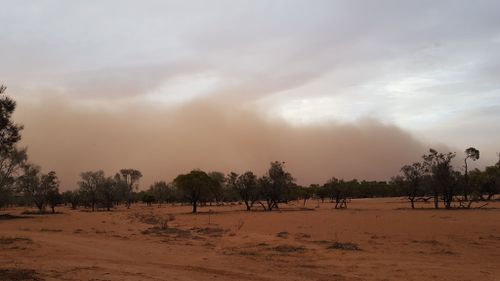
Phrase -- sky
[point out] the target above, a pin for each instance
(352, 89)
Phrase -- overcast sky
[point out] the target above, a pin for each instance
(415, 73)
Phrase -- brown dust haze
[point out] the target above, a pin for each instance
(208, 135)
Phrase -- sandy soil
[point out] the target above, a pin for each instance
(375, 239)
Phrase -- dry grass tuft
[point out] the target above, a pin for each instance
(344, 246)
(289, 249)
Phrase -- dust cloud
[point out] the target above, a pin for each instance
(162, 142)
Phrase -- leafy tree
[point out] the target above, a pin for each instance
(89, 184)
(38, 188)
(107, 190)
(130, 180)
(412, 177)
(305, 193)
(246, 186)
(322, 193)
(217, 186)
(54, 198)
(491, 184)
(162, 192)
(338, 190)
(444, 179)
(11, 158)
(10, 133)
(194, 186)
(71, 197)
(147, 198)
(276, 185)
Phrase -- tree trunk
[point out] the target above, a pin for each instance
(194, 206)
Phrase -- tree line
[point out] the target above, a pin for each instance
(434, 178)
(23, 183)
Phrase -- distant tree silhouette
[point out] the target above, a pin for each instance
(246, 186)
(491, 183)
(412, 179)
(217, 186)
(276, 185)
(71, 197)
(89, 184)
(147, 198)
(195, 186)
(444, 179)
(107, 190)
(473, 154)
(38, 188)
(305, 193)
(338, 190)
(162, 192)
(130, 180)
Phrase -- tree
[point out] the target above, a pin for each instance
(307, 192)
(89, 184)
(38, 188)
(444, 179)
(11, 163)
(338, 191)
(217, 186)
(11, 158)
(194, 186)
(412, 178)
(130, 178)
(72, 197)
(473, 154)
(106, 192)
(491, 185)
(162, 192)
(10, 133)
(51, 183)
(246, 186)
(276, 185)
(147, 198)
